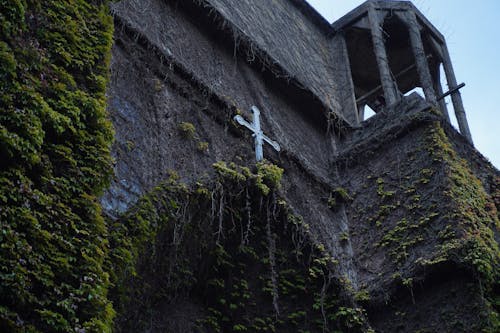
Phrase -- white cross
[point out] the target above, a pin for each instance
(257, 133)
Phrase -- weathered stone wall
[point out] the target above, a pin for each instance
(393, 226)
(225, 256)
(179, 73)
(389, 202)
(420, 197)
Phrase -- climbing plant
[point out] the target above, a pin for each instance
(55, 160)
(233, 246)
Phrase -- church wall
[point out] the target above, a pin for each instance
(381, 210)
(148, 142)
(152, 94)
(422, 200)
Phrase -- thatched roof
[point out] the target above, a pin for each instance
(293, 34)
(286, 37)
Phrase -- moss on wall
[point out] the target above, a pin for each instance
(235, 249)
(473, 214)
(55, 160)
(233, 246)
(422, 211)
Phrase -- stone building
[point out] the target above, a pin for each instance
(202, 62)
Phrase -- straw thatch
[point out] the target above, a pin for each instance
(297, 42)
(285, 37)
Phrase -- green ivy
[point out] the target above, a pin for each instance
(475, 214)
(230, 260)
(54, 147)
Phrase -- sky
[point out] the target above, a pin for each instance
(472, 32)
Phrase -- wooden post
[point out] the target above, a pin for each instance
(456, 97)
(420, 57)
(388, 85)
(361, 112)
(439, 91)
(344, 77)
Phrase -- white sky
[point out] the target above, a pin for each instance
(472, 32)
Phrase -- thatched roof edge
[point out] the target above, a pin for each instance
(271, 63)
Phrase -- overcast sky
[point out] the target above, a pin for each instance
(472, 32)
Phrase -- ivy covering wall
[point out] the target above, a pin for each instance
(232, 246)
(232, 249)
(431, 217)
(54, 161)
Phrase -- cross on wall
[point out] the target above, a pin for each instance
(259, 136)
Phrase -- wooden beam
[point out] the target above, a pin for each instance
(417, 45)
(391, 93)
(397, 76)
(456, 98)
(451, 91)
